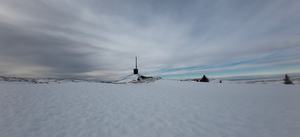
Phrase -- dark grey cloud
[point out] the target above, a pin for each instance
(57, 53)
(32, 42)
(98, 39)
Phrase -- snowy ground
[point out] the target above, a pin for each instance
(20, 80)
(164, 108)
(136, 78)
(296, 80)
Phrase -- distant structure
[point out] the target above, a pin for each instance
(204, 79)
(287, 80)
(135, 71)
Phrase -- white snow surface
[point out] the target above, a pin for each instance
(130, 78)
(20, 80)
(164, 108)
(135, 79)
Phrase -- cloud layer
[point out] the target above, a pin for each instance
(98, 39)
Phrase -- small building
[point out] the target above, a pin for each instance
(204, 79)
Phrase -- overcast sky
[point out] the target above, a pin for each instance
(99, 39)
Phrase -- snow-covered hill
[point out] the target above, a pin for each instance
(133, 79)
(296, 80)
(136, 78)
(159, 109)
(21, 80)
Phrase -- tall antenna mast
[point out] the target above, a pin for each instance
(136, 62)
(135, 71)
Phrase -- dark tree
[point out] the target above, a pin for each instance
(204, 79)
(287, 80)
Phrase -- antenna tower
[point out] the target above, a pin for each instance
(135, 71)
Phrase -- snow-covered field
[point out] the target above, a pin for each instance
(164, 108)
(136, 78)
(295, 80)
(20, 80)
